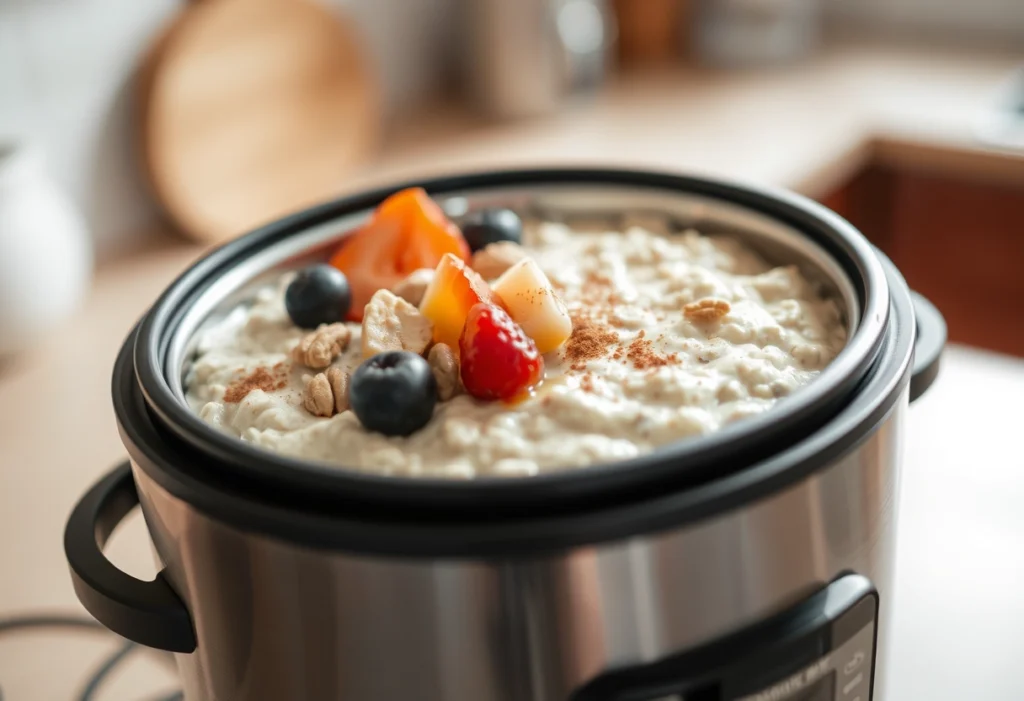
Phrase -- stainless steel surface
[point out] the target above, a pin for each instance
(522, 58)
(778, 242)
(277, 621)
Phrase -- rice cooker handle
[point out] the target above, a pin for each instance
(150, 613)
(928, 345)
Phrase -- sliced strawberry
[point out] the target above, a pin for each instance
(408, 231)
(498, 360)
(452, 292)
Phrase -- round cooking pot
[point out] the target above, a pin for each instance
(753, 564)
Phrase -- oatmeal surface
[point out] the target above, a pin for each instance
(674, 336)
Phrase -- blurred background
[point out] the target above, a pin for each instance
(69, 70)
(135, 135)
(196, 120)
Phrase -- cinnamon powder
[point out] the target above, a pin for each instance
(589, 341)
(643, 356)
(261, 378)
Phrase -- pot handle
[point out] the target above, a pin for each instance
(929, 342)
(150, 613)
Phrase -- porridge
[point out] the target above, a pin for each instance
(509, 349)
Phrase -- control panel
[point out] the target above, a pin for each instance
(821, 649)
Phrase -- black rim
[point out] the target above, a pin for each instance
(188, 475)
(673, 467)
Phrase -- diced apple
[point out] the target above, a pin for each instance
(450, 295)
(526, 293)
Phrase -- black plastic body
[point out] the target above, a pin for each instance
(150, 613)
(793, 655)
(928, 345)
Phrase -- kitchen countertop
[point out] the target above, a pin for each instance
(956, 606)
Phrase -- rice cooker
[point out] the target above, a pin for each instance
(751, 564)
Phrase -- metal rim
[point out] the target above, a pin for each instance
(675, 466)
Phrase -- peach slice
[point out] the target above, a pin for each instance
(449, 297)
(526, 293)
(407, 231)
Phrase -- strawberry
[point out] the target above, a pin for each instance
(498, 360)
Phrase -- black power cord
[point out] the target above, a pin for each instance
(63, 622)
(103, 671)
(48, 621)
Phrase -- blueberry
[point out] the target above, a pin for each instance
(490, 226)
(318, 295)
(393, 393)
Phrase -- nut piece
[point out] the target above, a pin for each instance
(390, 323)
(318, 348)
(495, 258)
(326, 393)
(445, 366)
(411, 289)
(338, 380)
(704, 310)
(318, 397)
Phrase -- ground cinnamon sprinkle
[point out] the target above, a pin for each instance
(260, 378)
(643, 356)
(589, 341)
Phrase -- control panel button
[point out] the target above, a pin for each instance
(854, 663)
(852, 684)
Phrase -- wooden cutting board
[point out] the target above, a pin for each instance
(251, 109)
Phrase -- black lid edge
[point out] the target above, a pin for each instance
(671, 467)
(156, 455)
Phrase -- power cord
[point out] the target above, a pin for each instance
(48, 621)
(103, 671)
(63, 622)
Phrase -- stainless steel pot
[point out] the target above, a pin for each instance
(753, 564)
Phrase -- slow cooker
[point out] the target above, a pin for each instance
(752, 564)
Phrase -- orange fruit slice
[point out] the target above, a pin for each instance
(454, 290)
(408, 231)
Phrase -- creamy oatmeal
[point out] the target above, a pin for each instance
(674, 335)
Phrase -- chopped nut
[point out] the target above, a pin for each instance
(391, 323)
(704, 310)
(411, 289)
(318, 348)
(445, 366)
(495, 258)
(338, 380)
(319, 398)
(326, 392)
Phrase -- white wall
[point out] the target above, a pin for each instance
(65, 81)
